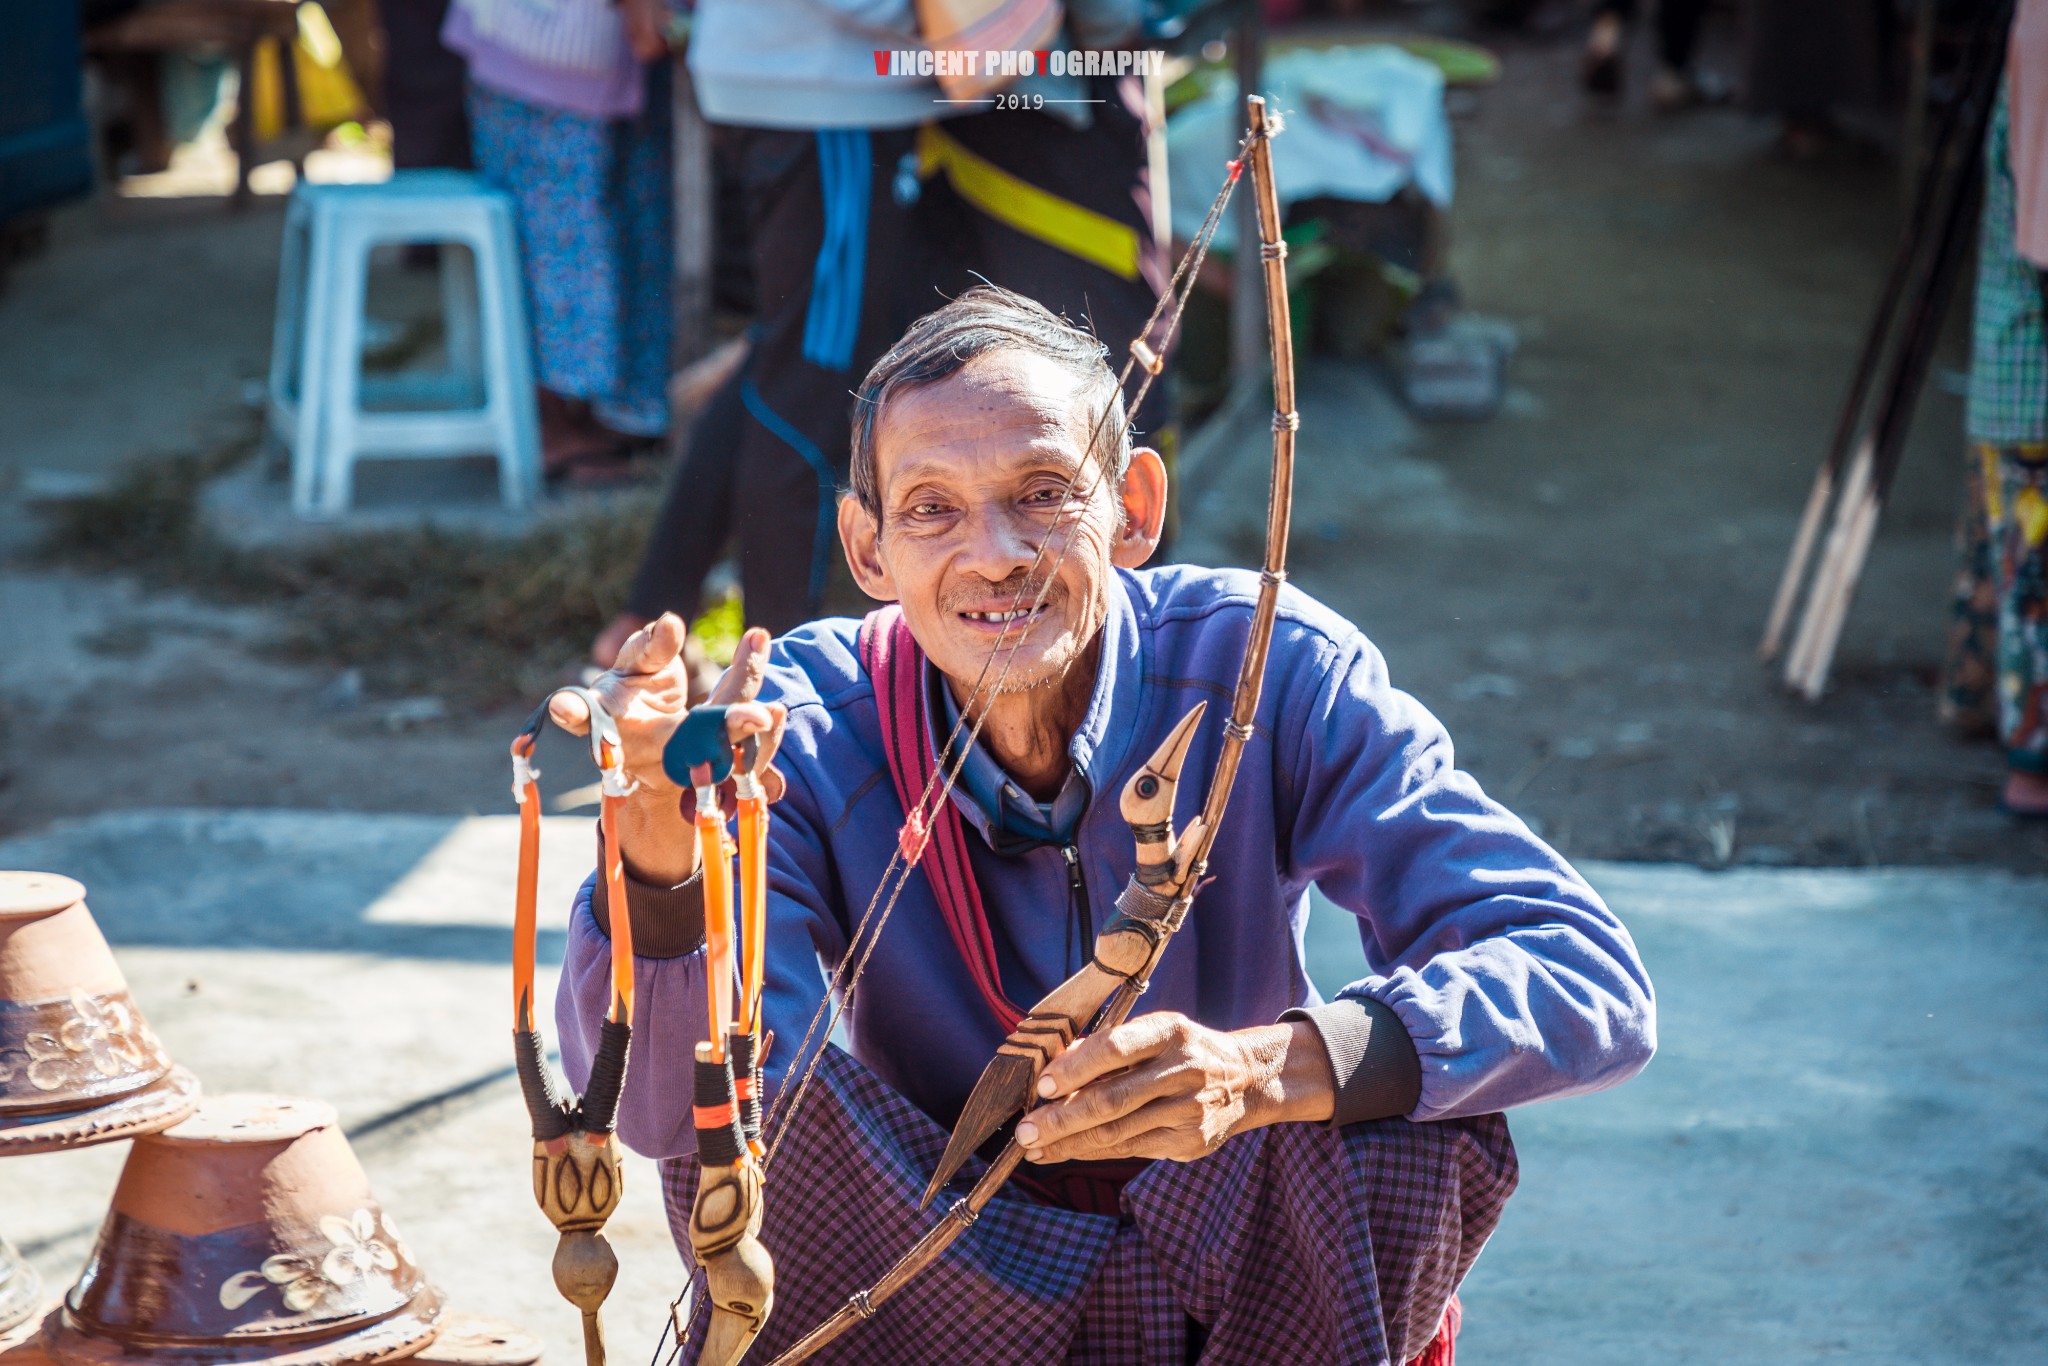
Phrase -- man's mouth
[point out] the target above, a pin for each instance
(1005, 616)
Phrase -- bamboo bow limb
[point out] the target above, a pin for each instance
(1191, 858)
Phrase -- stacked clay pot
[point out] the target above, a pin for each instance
(78, 1063)
(248, 1233)
(242, 1231)
(21, 1296)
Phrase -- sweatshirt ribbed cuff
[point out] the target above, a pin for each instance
(668, 922)
(1373, 1060)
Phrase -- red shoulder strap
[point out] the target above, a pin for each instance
(893, 660)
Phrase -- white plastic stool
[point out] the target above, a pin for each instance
(485, 405)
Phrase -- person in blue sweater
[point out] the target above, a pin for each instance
(1242, 1171)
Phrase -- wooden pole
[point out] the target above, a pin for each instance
(1877, 462)
(1908, 252)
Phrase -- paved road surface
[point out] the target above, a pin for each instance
(1837, 1155)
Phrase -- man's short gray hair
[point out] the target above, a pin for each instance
(982, 320)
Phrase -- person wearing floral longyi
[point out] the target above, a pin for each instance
(1997, 669)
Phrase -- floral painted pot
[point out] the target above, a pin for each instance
(78, 1063)
(248, 1234)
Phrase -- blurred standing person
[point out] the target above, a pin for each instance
(1806, 58)
(819, 137)
(569, 114)
(422, 87)
(1055, 202)
(1998, 646)
(1674, 85)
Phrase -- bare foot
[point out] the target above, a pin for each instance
(1600, 63)
(571, 437)
(2026, 794)
(1671, 90)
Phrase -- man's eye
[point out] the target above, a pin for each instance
(1046, 496)
(927, 509)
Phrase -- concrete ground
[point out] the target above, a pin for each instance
(1837, 1153)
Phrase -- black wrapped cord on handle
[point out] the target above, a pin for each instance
(739, 1048)
(544, 1105)
(719, 1141)
(607, 1076)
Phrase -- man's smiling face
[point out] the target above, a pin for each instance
(972, 475)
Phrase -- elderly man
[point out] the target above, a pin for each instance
(1246, 1172)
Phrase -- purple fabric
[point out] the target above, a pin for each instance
(616, 91)
(1289, 1244)
(1515, 981)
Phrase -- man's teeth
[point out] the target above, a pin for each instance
(998, 618)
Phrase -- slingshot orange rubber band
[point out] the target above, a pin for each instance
(615, 891)
(753, 824)
(716, 859)
(524, 914)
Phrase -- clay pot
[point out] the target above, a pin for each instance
(249, 1234)
(78, 1063)
(21, 1291)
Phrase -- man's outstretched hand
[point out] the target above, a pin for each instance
(1163, 1085)
(647, 695)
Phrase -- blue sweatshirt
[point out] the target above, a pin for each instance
(1513, 980)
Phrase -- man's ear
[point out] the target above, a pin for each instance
(862, 539)
(1144, 502)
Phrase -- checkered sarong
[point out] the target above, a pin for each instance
(1292, 1243)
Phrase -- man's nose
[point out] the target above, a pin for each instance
(998, 544)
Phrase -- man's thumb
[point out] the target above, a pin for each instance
(653, 647)
(568, 711)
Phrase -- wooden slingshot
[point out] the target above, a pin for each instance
(576, 1171)
(725, 1221)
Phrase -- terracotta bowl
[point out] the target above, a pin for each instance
(21, 1290)
(78, 1063)
(249, 1234)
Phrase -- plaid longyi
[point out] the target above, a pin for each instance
(1290, 1243)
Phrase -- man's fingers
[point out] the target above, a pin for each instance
(772, 741)
(1108, 1051)
(1101, 1103)
(653, 647)
(1134, 1134)
(742, 682)
(568, 711)
(765, 719)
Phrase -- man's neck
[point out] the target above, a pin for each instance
(1029, 733)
